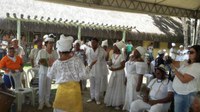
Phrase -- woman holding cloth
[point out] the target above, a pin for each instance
(186, 81)
(135, 69)
(68, 70)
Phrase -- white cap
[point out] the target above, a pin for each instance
(173, 44)
(181, 46)
(48, 39)
(141, 50)
(14, 39)
(104, 43)
(64, 43)
(120, 45)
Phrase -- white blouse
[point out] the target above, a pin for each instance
(193, 85)
(72, 69)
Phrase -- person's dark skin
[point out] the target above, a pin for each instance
(117, 51)
(159, 75)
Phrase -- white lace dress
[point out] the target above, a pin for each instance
(115, 93)
(133, 69)
(72, 69)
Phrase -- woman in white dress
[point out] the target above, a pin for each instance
(115, 93)
(135, 69)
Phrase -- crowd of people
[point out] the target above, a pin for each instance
(174, 77)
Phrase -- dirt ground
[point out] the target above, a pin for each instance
(88, 107)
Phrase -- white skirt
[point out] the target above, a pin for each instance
(115, 93)
(131, 93)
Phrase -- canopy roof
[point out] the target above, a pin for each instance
(59, 14)
(181, 8)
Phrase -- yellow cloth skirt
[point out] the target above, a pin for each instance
(68, 97)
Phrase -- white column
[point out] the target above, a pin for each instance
(79, 32)
(19, 31)
(124, 36)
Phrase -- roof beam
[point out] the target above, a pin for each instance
(134, 6)
(66, 22)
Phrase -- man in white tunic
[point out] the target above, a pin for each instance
(45, 59)
(95, 56)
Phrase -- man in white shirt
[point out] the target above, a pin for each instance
(172, 51)
(95, 57)
(158, 95)
(19, 51)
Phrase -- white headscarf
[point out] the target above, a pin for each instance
(77, 41)
(104, 43)
(48, 39)
(173, 44)
(64, 43)
(120, 45)
(141, 50)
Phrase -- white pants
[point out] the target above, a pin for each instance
(95, 88)
(140, 106)
(44, 88)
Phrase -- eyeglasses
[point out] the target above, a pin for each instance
(190, 52)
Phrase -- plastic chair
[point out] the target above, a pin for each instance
(31, 73)
(20, 91)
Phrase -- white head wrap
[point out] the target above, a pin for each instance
(141, 50)
(120, 45)
(173, 44)
(45, 36)
(161, 52)
(77, 41)
(64, 43)
(104, 43)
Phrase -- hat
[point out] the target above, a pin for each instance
(173, 44)
(162, 67)
(120, 45)
(181, 46)
(14, 39)
(64, 43)
(77, 41)
(104, 43)
(141, 50)
(161, 52)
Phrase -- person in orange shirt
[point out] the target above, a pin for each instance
(10, 64)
